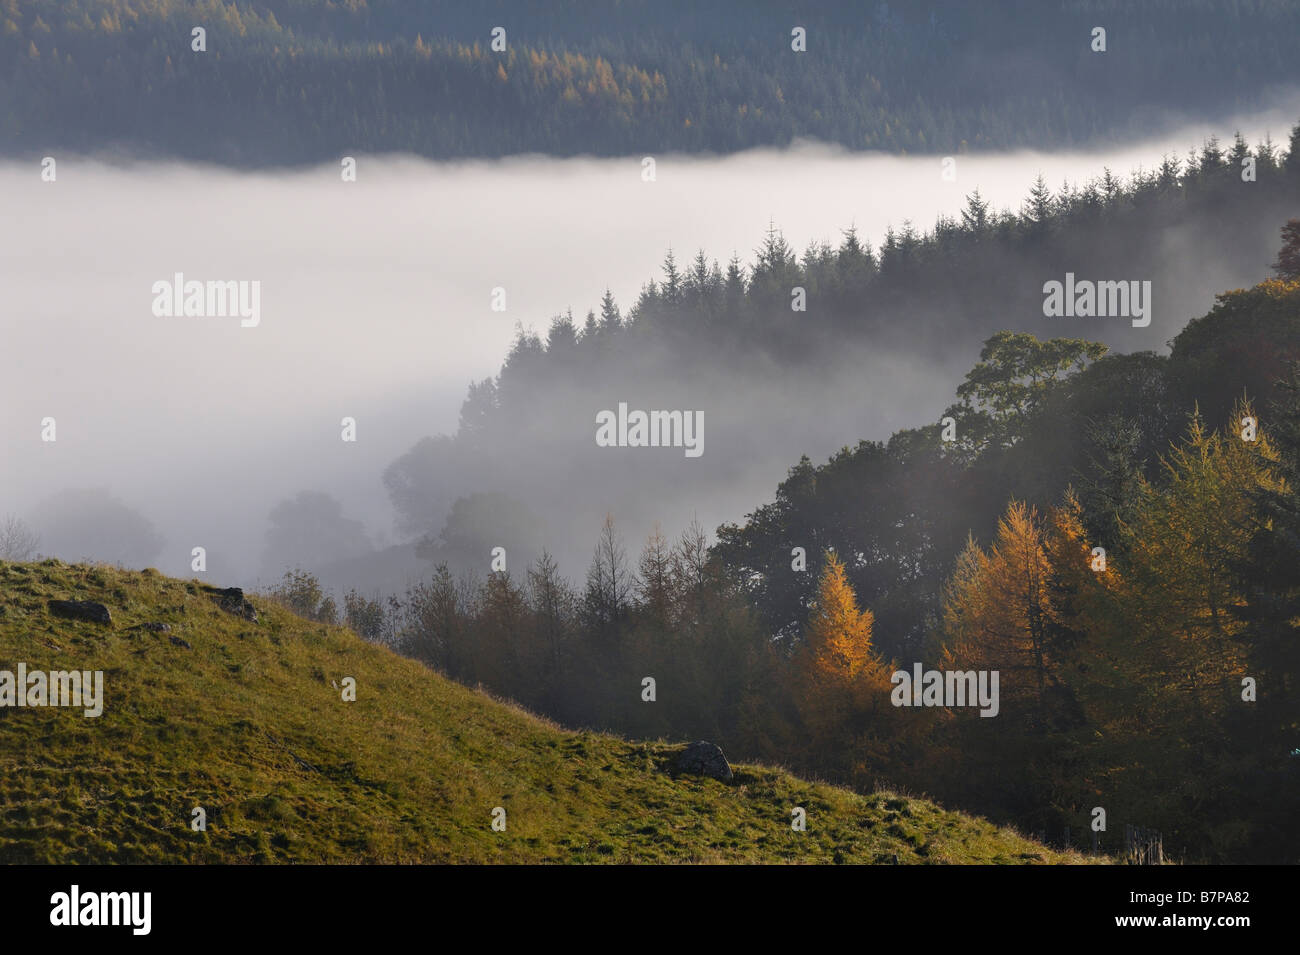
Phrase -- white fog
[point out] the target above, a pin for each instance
(375, 304)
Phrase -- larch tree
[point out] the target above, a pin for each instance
(654, 578)
(1013, 609)
(841, 678)
(610, 582)
(1001, 610)
(1188, 539)
(1180, 599)
(838, 637)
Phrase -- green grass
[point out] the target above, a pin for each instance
(249, 726)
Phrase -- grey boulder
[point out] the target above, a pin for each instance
(232, 600)
(702, 758)
(81, 610)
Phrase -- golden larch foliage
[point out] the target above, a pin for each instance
(838, 634)
(1000, 609)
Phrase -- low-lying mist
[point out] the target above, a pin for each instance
(376, 304)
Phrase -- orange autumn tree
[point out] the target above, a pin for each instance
(1021, 606)
(838, 637)
(1001, 611)
(841, 677)
(1017, 608)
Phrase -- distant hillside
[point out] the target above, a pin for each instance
(294, 81)
(246, 722)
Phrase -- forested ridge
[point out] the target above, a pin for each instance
(296, 81)
(1117, 535)
(724, 338)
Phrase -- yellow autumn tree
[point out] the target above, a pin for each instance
(1017, 608)
(839, 672)
(1001, 611)
(839, 634)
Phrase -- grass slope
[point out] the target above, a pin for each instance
(249, 725)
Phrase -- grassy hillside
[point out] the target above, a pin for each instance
(247, 723)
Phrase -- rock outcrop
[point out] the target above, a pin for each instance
(81, 610)
(702, 758)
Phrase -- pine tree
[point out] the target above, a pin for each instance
(975, 217)
(1239, 153)
(562, 336)
(1168, 176)
(1040, 206)
(1211, 163)
(671, 290)
(774, 256)
(1287, 265)
(697, 280)
(610, 319)
(1267, 161)
(1292, 164)
(734, 287)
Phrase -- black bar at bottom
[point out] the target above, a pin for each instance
(329, 904)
